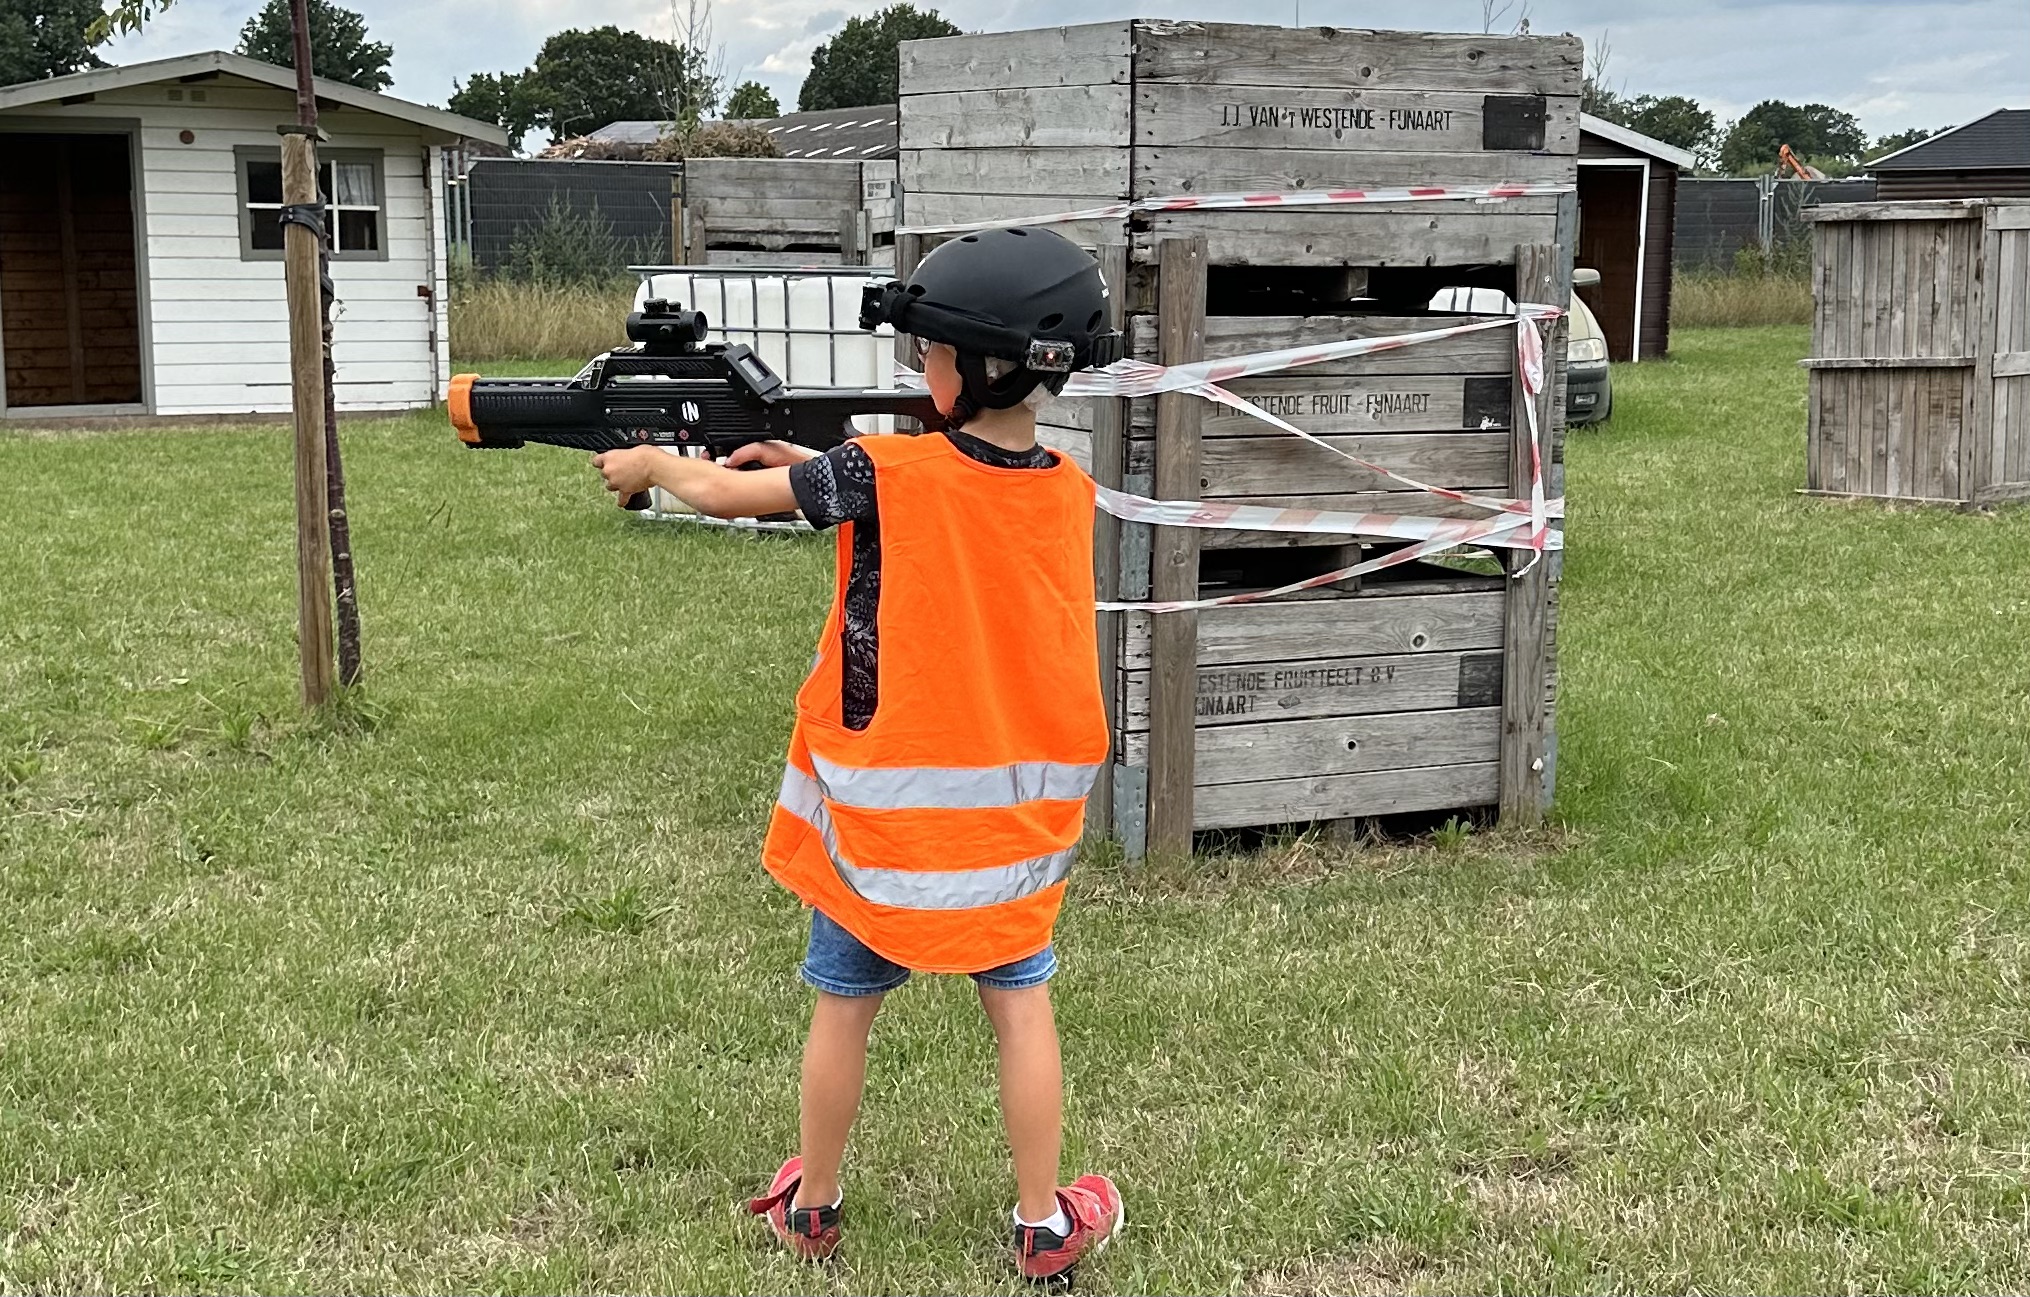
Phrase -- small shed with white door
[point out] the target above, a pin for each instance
(141, 251)
(1628, 191)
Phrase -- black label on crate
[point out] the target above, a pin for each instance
(1513, 121)
(1485, 402)
(1480, 680)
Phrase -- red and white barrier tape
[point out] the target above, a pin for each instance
(1216, 202)
(1316, 522)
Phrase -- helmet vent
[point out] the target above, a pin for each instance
(1020, 234)
(916, 290)
(970, 238)
(1050, 321)
(1092, 325)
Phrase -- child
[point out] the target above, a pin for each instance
(952, 726)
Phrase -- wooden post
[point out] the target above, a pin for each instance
(677, 216)
(1543, 277)
(306, 364)
(850, 251)
(908, 251)
(1110, 463)
(1173, 642)
(309, 362)
(694, 234)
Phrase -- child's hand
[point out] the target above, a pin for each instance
(769, 454)
(628, 472)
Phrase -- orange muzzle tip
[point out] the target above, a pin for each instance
(461, 409)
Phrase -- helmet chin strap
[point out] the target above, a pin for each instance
(977, 392)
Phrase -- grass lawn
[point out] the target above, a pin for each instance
(478, 985)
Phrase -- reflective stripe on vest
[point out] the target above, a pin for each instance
(957, 788)
(910, 889)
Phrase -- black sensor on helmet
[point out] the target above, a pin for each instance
(1027, 296)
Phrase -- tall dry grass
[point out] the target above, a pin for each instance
(1730, 301)
(504, 319)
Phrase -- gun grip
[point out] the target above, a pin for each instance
(638, 502)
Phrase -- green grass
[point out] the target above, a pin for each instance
(476, 984)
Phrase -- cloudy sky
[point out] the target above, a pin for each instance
(1892, 63)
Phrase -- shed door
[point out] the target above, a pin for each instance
(70, 328)
(1610, 241)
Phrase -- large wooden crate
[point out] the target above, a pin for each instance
(787, 211)
(1920, 365)
(1427, 689)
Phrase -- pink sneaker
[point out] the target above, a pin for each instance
(812, 1233)
(1094, 1206)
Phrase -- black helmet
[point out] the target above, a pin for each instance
(1031, 296)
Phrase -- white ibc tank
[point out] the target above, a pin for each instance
(805, 327)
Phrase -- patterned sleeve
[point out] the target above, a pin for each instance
(835, 487)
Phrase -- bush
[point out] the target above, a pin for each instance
(570, 247)
(714, 140)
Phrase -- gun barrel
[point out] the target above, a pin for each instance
(503, 413)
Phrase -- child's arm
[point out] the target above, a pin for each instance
(709, 488)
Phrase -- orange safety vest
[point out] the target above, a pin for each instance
(941, 834)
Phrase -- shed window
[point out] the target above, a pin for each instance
(352, 186)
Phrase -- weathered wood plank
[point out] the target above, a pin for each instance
(1543, 276)
(1327, 797)
(1278, 464)
(1948, 209)
(1108, 465)
(1489, 353)
(1340, 745)
(1174, 557)
(1358, 626)
(1441, 234)
(1390, 403)
(962, 209)
(1072, 116)
(1091, 54)
(1162, 171)
(1338, 686)
(1886, 362)
(1386, 120)
(1018, 171)
(831, 181)
(1232, 54)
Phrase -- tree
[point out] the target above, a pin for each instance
(751, 101)
(583, 79)
(46, 38)
(497, 99)
(858, 67)
(1902, 140)
(1676, 120)
(339, 48)
(1816, 133)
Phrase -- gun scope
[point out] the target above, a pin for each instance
(665, 328)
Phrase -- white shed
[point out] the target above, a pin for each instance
(141, 254)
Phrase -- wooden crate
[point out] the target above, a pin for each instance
(1429, 690)
(1920, 366)
(787, 211)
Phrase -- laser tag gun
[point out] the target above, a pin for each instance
(672, 388)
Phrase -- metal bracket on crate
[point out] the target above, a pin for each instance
(1136, 543)
(1131, 809)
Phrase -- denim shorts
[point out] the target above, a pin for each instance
(837, 962)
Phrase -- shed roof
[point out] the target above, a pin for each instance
(2001, 139)
(220, 63)
(1682, 159)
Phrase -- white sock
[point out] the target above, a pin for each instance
(1057, 1222)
